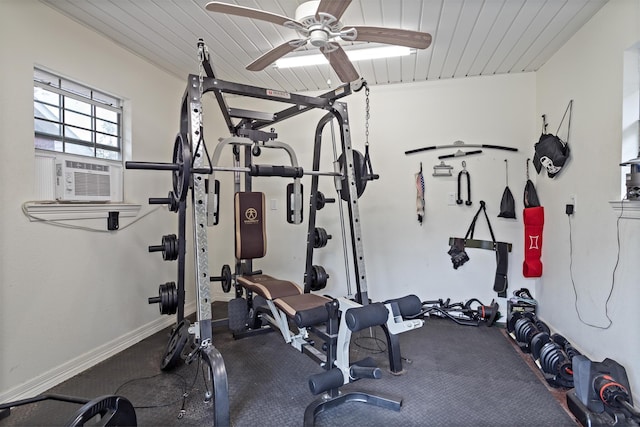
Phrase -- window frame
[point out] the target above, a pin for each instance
(96, 99)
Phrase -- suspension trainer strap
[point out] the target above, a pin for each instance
(472, 226)
(501, 249)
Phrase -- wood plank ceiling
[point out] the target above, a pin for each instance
(470, 37)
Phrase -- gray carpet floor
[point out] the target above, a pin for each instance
(454, 376)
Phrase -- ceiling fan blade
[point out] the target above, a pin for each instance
(395, 36)
(271, 56)
(334, 8)
(341, 64)
(247, 12)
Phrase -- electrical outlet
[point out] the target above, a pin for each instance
(451, 198)
(573, 200)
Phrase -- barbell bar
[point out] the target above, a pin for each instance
(254, 170)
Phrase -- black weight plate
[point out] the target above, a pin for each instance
(169, 247)
(113, 411)
(176, 344)
(225, 275)
(537, 342)
(182, 157)
(360, 172)
(319, 278)
(320, 237)
(320, 200)
(168, 294)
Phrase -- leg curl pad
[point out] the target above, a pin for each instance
(368, 315)
(409, 305)
(312, 316)
(326, 380)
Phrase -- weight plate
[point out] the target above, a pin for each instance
(168, 298)
(226, 277)
(112, 411)
(182, 158)
(320, 238)
(319, 278)
(320, 200)
(360, 172)
(169, 247)
(176, 344)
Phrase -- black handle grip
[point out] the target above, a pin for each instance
(356, 372)
(152, 166)
(282, 171)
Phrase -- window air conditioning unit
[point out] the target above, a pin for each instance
(87, 180)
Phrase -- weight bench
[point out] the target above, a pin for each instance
(331, 320)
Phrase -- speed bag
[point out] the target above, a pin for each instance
(533, 225)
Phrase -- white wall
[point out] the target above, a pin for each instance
(65, 294)
(589, 70)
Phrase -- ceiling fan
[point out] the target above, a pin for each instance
(318, 23)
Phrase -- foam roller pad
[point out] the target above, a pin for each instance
(409, 305)
(327, 380)
(312, 316)
(368, 315)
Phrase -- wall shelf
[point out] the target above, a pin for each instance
(626, 208)
(69, 211)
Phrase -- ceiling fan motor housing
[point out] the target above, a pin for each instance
(318, 38)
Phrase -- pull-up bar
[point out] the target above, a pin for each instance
(459, 144)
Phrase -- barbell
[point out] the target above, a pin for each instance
(181, 175)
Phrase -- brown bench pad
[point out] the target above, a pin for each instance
(269, 287)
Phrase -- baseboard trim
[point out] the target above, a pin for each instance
(61, 373)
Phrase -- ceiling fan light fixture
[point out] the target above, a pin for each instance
(354, 55)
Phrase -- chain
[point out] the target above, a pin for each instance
(367, 115)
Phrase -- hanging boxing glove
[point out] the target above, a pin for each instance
(533, 225)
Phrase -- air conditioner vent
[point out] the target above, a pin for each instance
(78, 180)
(88, 184)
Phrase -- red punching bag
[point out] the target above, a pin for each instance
(533, 225)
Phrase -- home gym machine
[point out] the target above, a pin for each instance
(191, 169)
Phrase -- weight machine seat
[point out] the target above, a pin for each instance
(268, 287)
(294, 304)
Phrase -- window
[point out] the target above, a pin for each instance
(75, 119)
